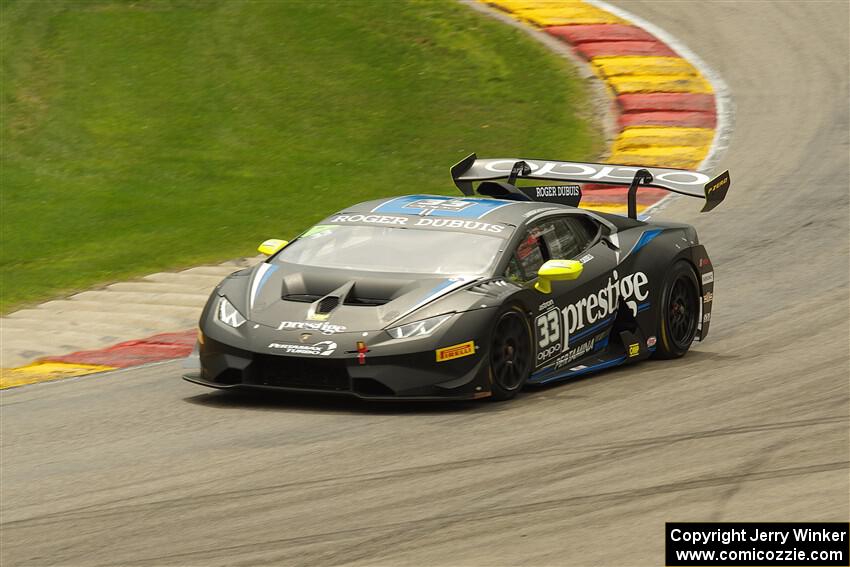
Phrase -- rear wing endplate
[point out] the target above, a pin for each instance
(486, 171)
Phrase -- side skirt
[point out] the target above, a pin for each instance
(628, 348)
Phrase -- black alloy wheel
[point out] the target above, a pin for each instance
(680, 312)
(511, 354)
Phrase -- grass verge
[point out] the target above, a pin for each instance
(149, 135)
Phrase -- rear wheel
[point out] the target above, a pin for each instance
(680, 311)
(510, 353)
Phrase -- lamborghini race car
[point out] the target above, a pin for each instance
(434, 297)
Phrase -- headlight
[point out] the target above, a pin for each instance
(228, 314)
(418, 328)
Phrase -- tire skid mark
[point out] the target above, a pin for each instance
(398, 531)
(608, 450)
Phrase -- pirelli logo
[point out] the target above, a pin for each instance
(456, 351)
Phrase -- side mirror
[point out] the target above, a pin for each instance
(271, 246)
(557, 270)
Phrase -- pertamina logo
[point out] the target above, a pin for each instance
(456, 351)
(323, 348)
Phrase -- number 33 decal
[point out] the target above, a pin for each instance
(549, 328)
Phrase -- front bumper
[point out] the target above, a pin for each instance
(409, 376)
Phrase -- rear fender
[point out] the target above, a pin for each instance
(698, 258)
(674, 243)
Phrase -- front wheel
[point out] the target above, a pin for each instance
(511, 353)
(680, 311)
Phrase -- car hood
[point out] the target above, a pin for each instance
(292, 297)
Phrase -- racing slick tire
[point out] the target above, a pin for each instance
(511, 353)
(679, 313)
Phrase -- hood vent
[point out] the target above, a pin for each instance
(351, 300)
(493, 287)
(301, 297)
(331, 301)
(327, 304)
(364, 301)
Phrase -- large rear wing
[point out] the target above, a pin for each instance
(691, 183)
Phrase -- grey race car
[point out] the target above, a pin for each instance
(433, 297)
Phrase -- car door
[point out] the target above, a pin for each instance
(564, 328)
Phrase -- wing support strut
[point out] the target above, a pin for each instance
(642, 177)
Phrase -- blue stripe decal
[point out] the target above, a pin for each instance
(645, 238)
(570, 373)
(272, 269)
(591, 329)
(643, 306)
(439, 287)
(438, 206)
(444, 287)
(267, 270)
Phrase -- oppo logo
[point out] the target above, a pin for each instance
(590, 172)
(549, 352)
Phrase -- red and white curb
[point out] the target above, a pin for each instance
(99, 329)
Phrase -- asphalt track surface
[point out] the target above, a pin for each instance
(139, 467)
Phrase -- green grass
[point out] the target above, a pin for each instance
(147, 135)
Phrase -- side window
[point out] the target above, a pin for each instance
(570, 237)
(560, 239)
(530, 254)
(585, 228)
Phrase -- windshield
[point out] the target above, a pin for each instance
(393, 249)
